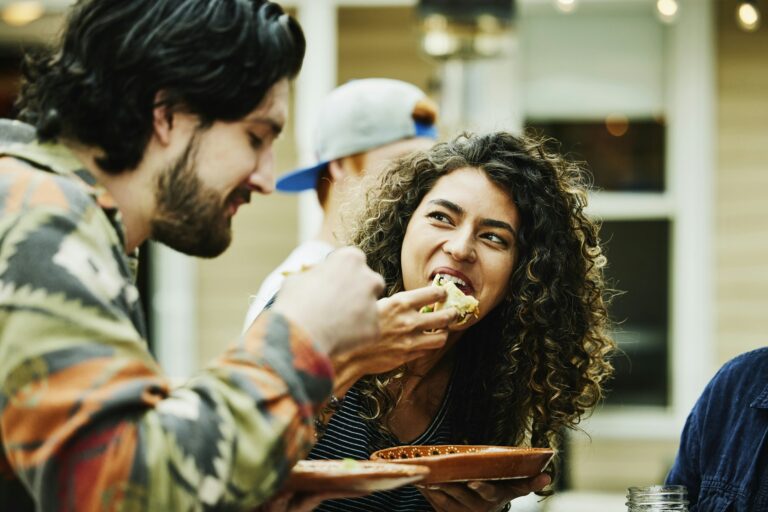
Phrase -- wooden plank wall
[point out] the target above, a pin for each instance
(741, 186)
(382, 42)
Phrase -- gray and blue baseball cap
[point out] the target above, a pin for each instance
(359, 116)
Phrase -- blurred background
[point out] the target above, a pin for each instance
(665, 100)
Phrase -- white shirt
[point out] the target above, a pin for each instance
(309, 253)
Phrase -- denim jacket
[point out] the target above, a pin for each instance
(723, 455)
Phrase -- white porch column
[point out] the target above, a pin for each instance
(692, 121)
(317, 79)
(174, 310)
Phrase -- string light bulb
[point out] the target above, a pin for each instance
(22, 12)
(566, 5)
(667, 10)
(748, 16)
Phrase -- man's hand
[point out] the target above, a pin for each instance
(406, 334)
(481, 496)
(335, 301)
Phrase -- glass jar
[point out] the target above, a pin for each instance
(657, 498)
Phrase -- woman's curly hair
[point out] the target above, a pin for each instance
(99, 84)
(536, 363)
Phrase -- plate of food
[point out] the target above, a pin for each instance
(355, 476)
(461, 463)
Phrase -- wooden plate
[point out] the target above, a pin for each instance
(352, 475)
(461, 463)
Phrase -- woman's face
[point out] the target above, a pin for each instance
(465, 229)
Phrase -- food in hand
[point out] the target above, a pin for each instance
(466, 305)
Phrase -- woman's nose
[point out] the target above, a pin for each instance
(461, 247)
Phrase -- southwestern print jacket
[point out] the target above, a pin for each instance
(88, 422)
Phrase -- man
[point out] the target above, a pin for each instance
(12, 131)
(363, 125)
(723, 454)
(154, 119)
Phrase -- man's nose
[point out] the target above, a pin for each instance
(262, 179)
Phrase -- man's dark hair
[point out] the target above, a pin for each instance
(213, 58)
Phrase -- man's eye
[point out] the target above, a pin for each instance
(256, 141)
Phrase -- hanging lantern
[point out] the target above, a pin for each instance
(465, 28)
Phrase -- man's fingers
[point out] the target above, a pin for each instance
(354, 257)
(426, 342)
(420, 297)
(378, 284)
(438, 320)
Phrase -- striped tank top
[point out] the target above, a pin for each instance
(349, 436)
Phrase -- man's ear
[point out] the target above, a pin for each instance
(337, 170)
(162, 119)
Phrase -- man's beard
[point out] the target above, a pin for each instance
(190, 217)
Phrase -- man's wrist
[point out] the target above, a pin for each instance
(347, 371)
(314, 368)
(324, 417)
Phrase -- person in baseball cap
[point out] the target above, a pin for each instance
(363, 125)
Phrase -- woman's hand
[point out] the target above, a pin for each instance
(481, 496)
(406, 334)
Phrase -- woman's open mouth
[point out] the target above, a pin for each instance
(462, 282)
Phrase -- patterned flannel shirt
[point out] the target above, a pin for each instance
(87, 420)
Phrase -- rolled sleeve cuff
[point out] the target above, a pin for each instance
(288, 350)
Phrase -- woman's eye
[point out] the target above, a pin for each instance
(496, 239)
(439, 216)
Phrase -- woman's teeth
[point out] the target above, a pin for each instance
(457, 281)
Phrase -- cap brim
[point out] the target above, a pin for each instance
(300, 179)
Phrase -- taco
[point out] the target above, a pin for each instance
(466, 305)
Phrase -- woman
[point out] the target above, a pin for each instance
(503, 218)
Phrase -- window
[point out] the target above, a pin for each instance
(622, 154)
(638, 264)
(628, 156)
(633, 98)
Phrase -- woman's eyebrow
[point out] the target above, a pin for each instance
(491, 223)
(449, 205)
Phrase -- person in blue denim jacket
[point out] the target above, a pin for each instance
(723, 454)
